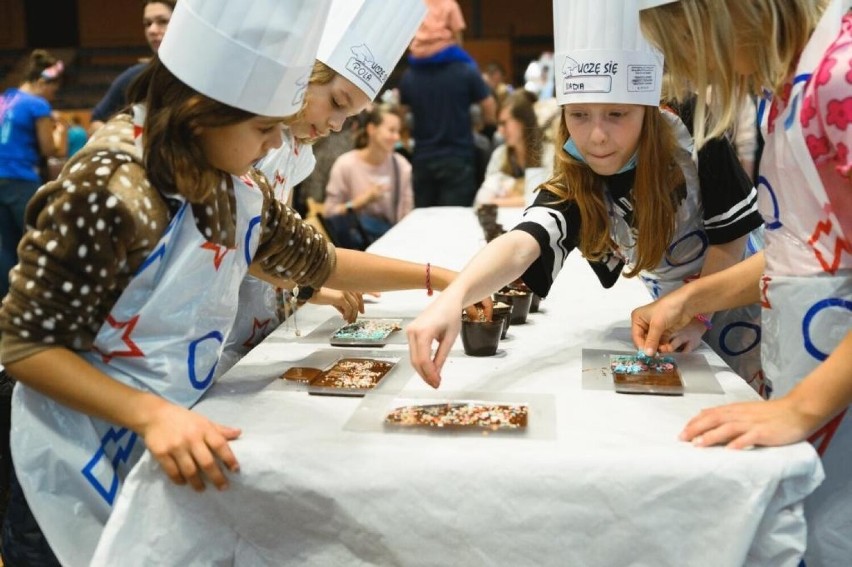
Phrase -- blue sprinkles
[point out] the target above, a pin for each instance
(641, 363)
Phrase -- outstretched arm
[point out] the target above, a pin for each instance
(502, 261)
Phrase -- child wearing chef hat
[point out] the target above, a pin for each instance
(361, 44)
(624, 191)
(128, 277)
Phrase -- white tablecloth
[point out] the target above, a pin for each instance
(612, 487)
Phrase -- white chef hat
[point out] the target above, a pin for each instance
(364, 39)
(601, 54)
(255, 55)
(645, 4)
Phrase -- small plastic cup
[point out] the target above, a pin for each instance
(480, 338)
(520, 302)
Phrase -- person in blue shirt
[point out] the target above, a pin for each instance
(77, 136)
(28, 135)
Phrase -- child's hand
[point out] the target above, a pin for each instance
(187, 444)
(749, 424)
(440, 322)
(686, 339)
(348, 303)
(653, 324)
(484, 308)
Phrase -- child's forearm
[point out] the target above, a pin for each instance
(733, 287)
(365, 272)
(62, 375)
(723, 256)
(501, 262)
(828, 388)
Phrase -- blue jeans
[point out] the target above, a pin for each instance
(444, 182)
(14, 196)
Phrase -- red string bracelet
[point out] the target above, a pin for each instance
(429, 290)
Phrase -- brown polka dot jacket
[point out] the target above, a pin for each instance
(90, 230)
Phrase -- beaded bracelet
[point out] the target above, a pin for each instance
(429, 290)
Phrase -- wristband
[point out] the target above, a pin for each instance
(703, 318)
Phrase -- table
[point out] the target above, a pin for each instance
(611, 486)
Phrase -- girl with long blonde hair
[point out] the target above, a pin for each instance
(799, 62)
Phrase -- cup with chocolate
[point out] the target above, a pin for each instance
(536, 299)
(519, 300)
(534, 304)
(503, 310)
(487, 214)
(480, 336)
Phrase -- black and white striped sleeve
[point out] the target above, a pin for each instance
(730, 199)
(556, 229)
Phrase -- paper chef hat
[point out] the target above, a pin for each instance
(601, 54)
(645, 4)
(364, 39)
(255, 55)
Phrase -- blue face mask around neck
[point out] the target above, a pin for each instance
(572, 150)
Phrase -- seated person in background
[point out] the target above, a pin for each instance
(523, 147)
(369, 188)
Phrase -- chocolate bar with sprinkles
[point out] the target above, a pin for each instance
(366, 332)
(451, 415)
(643, 374)
(350, 377)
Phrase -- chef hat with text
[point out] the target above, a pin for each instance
(645, 4)
(255, 55)
(364, 39)
(601, 54)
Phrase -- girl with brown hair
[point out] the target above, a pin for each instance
(128, 278)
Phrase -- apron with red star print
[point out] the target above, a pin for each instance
(164, 335)
(807, 289)
(258, 313)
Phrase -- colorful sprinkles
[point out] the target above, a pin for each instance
(451, 414)
(353, 373)
(641, 363)
(368, 330)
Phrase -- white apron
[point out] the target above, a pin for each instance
(807, 295)
(736, 333)
(258, 313)
(164, 334)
